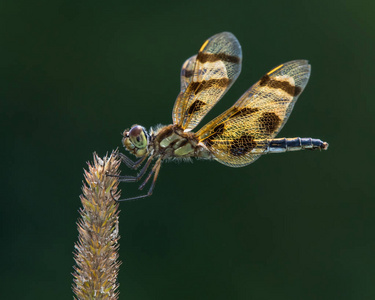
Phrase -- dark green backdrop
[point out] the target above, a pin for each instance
(74, 74)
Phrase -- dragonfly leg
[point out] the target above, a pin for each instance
(157, 164)
(130, 163)
(155, 171)
(134, 178)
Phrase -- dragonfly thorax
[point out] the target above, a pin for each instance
(136, 140)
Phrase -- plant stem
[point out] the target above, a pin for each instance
(96, 252)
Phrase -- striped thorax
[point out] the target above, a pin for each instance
(166, 142)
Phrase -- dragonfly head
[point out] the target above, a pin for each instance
(136, 140)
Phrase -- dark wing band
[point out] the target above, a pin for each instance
(205, 78)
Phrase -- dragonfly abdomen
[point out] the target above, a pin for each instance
(294, 144)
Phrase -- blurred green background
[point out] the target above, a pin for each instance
(74, 74)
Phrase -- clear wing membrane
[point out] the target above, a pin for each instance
(205, 78)
(239, 136)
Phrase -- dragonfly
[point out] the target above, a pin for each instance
(237, 137)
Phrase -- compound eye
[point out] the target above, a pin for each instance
(138, 136)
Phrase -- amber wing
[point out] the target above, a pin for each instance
(205, 78)
(239, 136)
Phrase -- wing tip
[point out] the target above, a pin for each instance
(299, 62)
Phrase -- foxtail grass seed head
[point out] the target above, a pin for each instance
(96, 252)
